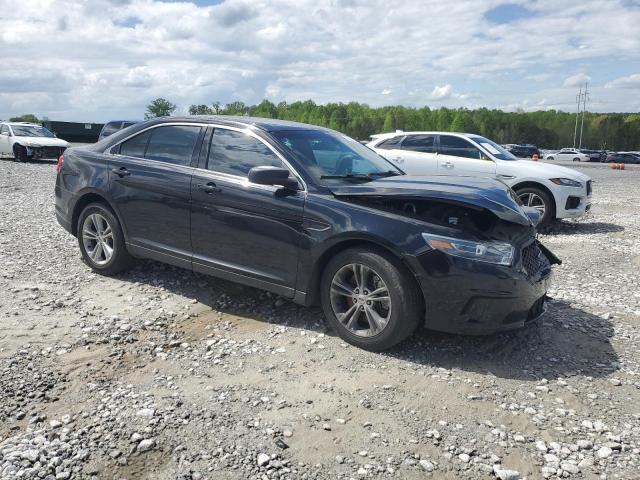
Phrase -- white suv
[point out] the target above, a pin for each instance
(557, 192)
(28, 141)
(572, 154)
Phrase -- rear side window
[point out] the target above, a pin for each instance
(110, 128)
(4, 129)
(236, 153)
(172, 144)
(457, 147)
(136, 146)
(419, 143)
(390, 143)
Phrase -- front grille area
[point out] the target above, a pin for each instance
(48, 152)
(588, 187)
(533, 260)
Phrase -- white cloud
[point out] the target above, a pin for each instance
(579, 79)
(94, 60)
(632, 81)
(441, 92)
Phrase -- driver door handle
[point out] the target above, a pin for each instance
(447, 164)
(209, 188)
(121, 172)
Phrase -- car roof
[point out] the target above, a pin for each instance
(29, 124)
(400, 133)
(266, 124)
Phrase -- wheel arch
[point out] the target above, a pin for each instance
(92, 197)
(534, 184)
(372, 243)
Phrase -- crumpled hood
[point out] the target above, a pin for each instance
(478, 192)
(41, 141)
(547, 170)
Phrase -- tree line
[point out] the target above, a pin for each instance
(546, 129)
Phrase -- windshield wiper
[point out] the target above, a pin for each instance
(363, 176)
(349, 176)
(388, 173)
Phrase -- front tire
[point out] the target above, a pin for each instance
(576, 159)
(19, 153)
(550, 158)
(541, 201)
(370, 299)
(101, 240)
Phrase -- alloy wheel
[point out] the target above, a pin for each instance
(360, 300)
(97, 238)
(530, 199)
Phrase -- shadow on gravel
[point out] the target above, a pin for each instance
(567, 342)
(569, 228)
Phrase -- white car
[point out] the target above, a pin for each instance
(555, 191)
(29, 141)
(572, 154)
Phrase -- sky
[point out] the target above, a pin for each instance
(95, 60)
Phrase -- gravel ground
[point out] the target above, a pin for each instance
(164, 374)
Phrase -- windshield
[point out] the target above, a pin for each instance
(493, 148)
(334, 158)
(31, 131)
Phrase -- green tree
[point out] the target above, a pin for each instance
(27, 117)
(159, 108)
(200, 110)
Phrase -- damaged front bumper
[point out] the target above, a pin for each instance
(36, 153)
(469, 297)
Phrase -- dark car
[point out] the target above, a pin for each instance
(623, 157)
(313, 216)
(595, 155)
(523, 151)
(113, 126)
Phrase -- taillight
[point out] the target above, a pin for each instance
(59, 165)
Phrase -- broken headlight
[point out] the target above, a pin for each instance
(490, 252)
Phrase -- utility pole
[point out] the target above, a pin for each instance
(584, 108)
(575, 130)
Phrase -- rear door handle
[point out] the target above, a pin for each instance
(447, 165)
(121, 172)
(209, 188)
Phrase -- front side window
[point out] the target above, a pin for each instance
(419, 143)
(457, 147)
(172, 144)
(333, 158)
(235, 153)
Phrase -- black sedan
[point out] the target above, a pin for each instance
(623, 157)
(311, 215)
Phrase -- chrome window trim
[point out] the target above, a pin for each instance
(238, 179)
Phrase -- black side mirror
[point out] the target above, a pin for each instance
(266, 175)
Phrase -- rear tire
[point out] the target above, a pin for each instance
(19, 153)
(101, 240)
(528, 197)
(370, 299)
